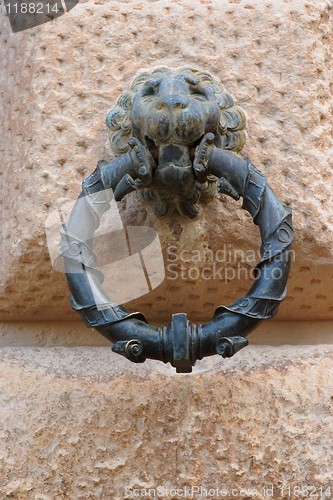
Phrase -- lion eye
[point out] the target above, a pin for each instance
(148, 91)
(198, 95)
(151, 88)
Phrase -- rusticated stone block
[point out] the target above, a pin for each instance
(59, 80)
(84, 423)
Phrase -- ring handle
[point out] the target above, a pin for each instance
(181, 342)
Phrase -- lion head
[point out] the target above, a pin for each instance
(170, 112)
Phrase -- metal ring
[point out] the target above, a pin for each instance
(181, 342)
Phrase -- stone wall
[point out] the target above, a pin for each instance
(60, 79)
(80, 422)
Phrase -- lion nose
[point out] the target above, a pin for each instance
(173, 101)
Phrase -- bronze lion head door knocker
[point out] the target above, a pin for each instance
(177, 137)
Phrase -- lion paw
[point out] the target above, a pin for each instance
(143, 161)
(201, 157)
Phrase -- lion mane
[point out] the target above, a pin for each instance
(231, 133)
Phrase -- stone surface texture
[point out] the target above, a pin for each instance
(59, 80)
(87, 424)
(79, 422)
(74, 334)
